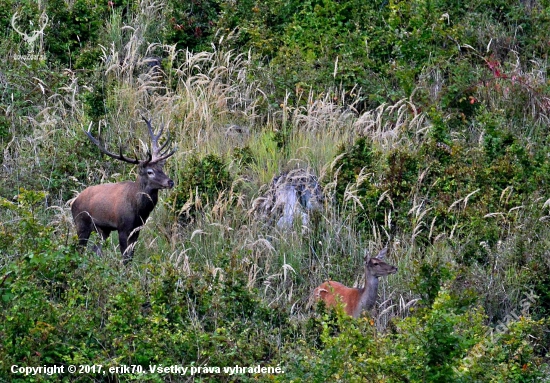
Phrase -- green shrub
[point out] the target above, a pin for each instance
(190, 24)
(244, 156)
(5, 135)
(437, 344)
(72, 27)
(353, 159)
(28, 15)
(201, 178)
(94, 102)
(457, 186)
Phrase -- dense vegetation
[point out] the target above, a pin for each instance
(426, 122)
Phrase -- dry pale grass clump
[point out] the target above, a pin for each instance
(127, 55)
(214, 92)
(325, 113)
(34, 149)
(202, 92)
(390, 126)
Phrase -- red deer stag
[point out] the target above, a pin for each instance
(356, 300)
(123, 206)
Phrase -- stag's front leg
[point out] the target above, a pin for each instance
(127, 242)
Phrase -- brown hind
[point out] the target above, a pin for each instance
(355, 300)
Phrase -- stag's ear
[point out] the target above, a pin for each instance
(382, 253)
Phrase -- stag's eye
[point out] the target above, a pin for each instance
(150, 172)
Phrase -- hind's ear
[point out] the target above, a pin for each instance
(382, 253)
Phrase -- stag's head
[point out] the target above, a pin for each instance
(150, 170)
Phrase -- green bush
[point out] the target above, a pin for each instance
(5, 135)
(461, 190)
(73, 27)
(202, 179)
(437, 344)
(244, 156)
(190, 24)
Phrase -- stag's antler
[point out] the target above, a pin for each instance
(159, 153)
(112, 155)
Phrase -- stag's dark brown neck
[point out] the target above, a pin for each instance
(146, 197)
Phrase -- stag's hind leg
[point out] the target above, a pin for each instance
(84, 228)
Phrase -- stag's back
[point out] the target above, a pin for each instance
(106, 204)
